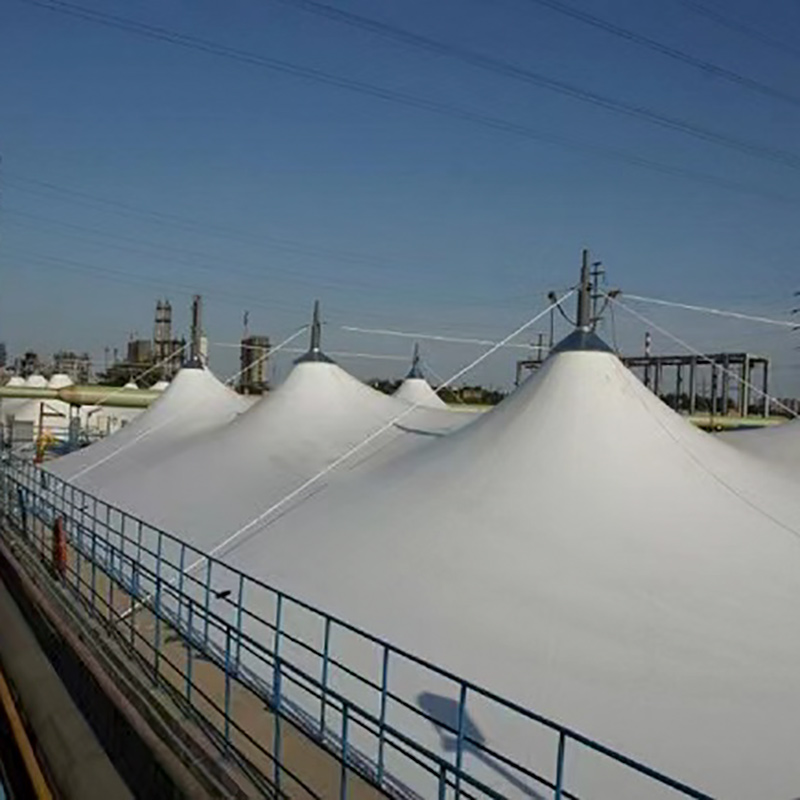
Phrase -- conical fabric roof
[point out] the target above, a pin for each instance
(221, 480)
(586, 552)
(418, 391)
(194, 403)
(10, 405)
(59, 381)
(415, 389)
(53, 413)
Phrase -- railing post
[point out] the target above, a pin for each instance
(239, 614)
(138, 563)
(276, 646)
(110, 564)
(442, 781)
(23, 511)
(189, 653)
(562, 746)
(326, 651)
(276, 693)
(207, 602)
(227, 687)
(276, 724)
(382, 722)
(343, 776)
(462, 715)
(157, 642)
(180, 584)
(94, 552)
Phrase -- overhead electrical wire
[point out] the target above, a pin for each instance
(716, 311)
(694, 351)
(520, 73)
(429, 336)
(339, 354)
(456, 112)
(745, 30)
(659, 47)
(187, 258)
(172, 220)
(60, 263)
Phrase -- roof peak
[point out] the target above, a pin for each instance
(314, 352)
(581, 339)
(416, 369)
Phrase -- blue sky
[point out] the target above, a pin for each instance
(135, 168)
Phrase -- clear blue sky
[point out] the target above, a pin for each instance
(263, 190)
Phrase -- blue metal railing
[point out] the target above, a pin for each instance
(290, 659)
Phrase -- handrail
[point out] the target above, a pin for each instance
(38, 483)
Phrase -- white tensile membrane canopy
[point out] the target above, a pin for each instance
(587, 553)
(195, 402)
(212, 486)
(415, 389)
(59, 381)
(9, 405)
(36, 381)
(55, 418)
(53, 414)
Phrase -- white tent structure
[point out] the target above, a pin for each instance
(195, 402)
(160, 386)
(53, 414)
(586, 552)
(415, 389)
(218, 481)
(36, 381)
(10, 405)
(59, 381)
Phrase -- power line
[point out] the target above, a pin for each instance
(456, 112)
(510, 70)
(667, 50)
(739, 27)
(720, 312)
(187, 258)
(165, 218)
(51, 262)
(429, 336)
(215, 230)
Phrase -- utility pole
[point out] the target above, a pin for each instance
(197, 329)
(584, 321)
(596, 273)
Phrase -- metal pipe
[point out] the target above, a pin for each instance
(92, 395)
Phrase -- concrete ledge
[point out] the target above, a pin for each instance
(133, 761)
(75, 761)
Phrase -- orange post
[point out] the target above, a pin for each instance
(59, 549)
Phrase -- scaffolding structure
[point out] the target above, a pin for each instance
(721, 374)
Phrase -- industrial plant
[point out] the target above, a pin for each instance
(399, 401)
(254, 532)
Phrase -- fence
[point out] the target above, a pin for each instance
(400, 723)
